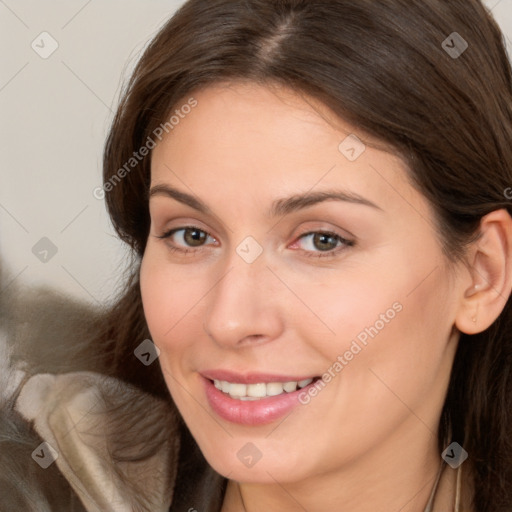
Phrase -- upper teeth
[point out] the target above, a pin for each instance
(260, 390)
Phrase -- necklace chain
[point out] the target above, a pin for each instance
(241, 497)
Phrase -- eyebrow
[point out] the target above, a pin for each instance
(280, 207)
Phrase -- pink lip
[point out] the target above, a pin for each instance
(257, 412)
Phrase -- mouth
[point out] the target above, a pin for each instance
(254, 399)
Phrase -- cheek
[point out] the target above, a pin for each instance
(395, 318)
(170, 297)
(160, 298)
(402, 361)
(163, 293)
(164, 305)
(155, 297)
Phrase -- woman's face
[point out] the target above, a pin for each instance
(279, 252)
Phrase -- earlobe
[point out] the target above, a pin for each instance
(488, 286)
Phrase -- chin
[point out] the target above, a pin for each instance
(256, 461)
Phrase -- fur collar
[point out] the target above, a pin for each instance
(116, 446)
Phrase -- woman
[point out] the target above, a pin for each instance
(315, 195)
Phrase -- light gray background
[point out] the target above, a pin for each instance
(55, 113)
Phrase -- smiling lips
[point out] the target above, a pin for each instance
(253, 399)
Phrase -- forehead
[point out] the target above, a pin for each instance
(245, 137)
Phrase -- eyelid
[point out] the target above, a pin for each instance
(170, 232)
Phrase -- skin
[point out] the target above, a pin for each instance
(368, 439)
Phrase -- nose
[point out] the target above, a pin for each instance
(244, 307)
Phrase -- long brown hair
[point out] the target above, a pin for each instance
(429, 78)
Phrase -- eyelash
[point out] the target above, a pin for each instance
(310, 254)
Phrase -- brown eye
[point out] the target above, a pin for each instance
(186, 238)
(325, 242)
(194, 237)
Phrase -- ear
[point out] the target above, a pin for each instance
(488, 287)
